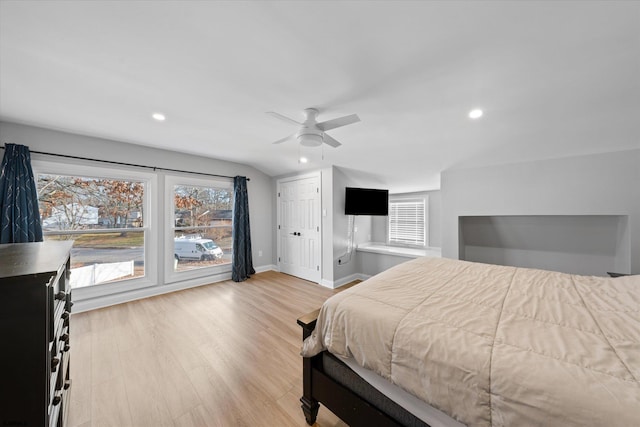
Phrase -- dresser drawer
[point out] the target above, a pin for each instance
(63, 377)
(58, 316)
(59, 353)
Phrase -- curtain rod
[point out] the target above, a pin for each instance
(130, 164)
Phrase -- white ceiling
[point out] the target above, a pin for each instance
(554, 79)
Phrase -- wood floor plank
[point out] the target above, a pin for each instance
(225, 354)
(218, 401)
(104, 343)
(109, 404)
(145, 388)
(80, 393)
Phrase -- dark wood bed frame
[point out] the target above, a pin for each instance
(318, 388)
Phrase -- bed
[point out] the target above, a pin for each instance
(485, 345)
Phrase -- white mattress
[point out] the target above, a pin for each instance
(409, 402)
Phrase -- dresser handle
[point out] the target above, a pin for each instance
(56, 400)
(67, 384)
(64, 338)
(54, 363)
(65, 315)
(61, 296)
(66, 348)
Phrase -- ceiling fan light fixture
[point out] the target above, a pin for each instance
(159, 117)
(303, 160)
(310, 140)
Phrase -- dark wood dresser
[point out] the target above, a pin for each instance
(34, 326)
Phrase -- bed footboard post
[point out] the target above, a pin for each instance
(310, 408)
(310, 405)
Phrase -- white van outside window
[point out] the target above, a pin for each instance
(199, 238)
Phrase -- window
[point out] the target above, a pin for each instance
(407, 221)
(115, 217)
(200, 232)
(105, 213)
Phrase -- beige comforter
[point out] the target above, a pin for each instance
(495, 346)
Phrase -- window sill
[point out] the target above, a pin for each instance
(381, 248)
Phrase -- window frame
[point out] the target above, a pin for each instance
(170, 275)
(399, 198)
(149, 228)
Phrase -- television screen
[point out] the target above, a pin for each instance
(366, 201)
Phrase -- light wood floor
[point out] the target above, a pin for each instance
(225, 354)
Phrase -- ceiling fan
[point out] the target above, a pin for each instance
(312, 133)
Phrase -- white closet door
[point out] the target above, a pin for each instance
(299, 227)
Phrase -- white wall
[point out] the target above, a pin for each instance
(260, 187)
(327, 226)
(599, 184)
(576, 244)
(346, 272)
(435, 219)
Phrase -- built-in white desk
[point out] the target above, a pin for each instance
(377, 257)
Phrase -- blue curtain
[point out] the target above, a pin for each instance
(242, 261)
(20, 220)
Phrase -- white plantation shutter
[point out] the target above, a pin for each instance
(407, 222)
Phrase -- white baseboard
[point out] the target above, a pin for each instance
(326, 283)
(334, 284)
(263, 268)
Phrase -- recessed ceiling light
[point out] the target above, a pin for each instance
(303, 160)
(159, 117)
(475, 114)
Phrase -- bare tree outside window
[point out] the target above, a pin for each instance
(105, 218)
(202, 226)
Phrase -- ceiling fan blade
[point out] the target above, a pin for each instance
(285, 139)
(336, 123)
(330, 141)
(284, 118)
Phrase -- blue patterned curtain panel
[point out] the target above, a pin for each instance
(20, 218)
(242, 260)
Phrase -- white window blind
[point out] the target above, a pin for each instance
(407, 222)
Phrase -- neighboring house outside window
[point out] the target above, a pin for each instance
(407, 222)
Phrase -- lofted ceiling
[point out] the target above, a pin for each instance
(554, 79)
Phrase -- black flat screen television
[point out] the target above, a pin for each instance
(366, 201)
